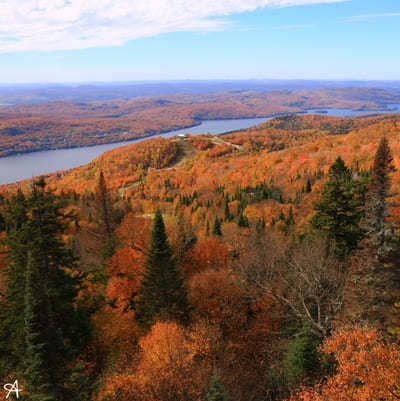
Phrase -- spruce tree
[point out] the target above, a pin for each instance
(378, 230)
(308, 186)
(43, 358)
(227, 213)
(373, 289)
(290, 219)
(11, 316)
(162, 294)
(103, 206)
(215, 391)
(217, 227)
(339, 212)
(104, 218)
(243, 221)
(44, 323)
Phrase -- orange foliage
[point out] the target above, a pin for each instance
(367, 369)
(208, 253)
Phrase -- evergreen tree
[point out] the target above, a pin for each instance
(373, 289)
(44, 348)
(105, 218)
(103, 206)
(215, 391)
(227, 213)
(46, 324)
(339, 212)
(243, 221)
(11, 316)
(308, 186)
(290, 219)
(302, 358)
(46, 224)
(379, 231)
(217, 227)
(162, 294)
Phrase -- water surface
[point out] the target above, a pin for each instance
(19, 167)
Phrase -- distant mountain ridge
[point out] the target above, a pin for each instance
(101, 91)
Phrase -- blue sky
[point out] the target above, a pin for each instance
(118, 40)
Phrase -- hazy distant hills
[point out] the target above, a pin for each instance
(33, 125)
(95, 91)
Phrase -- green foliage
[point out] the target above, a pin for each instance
(302, 358)
(339, 212)
(227, 213)
(215, 391)
(44, 325)
(243, 221)
(308, 186)
(217, 227)
(380, 232)
(162, 294)
(290, 219)
(44, 356)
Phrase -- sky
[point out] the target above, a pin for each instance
(130, 40)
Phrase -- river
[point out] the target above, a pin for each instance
(19, 167)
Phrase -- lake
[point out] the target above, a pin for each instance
(27, 165)
(19, 167)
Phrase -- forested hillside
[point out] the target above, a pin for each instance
(260, 265)
(64, 124)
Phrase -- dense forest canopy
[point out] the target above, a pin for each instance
(261, 265)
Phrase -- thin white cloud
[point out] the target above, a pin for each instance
(290, 27)
(27, 25)
(365, 17)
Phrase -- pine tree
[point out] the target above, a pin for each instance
(339, 212)
(217, 227)
(162, 294)
(215, 391)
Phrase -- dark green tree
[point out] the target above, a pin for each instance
(105, 218)
(38, 257)
(302, 358)
(11, 316)
(290, 219)
(308, 186)
(44, 355)
(243, 221)
(217, 227)
(215, 392)
(339, 212)
(227, 213)
(374, 287)
(162, 294)
(379, 230)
